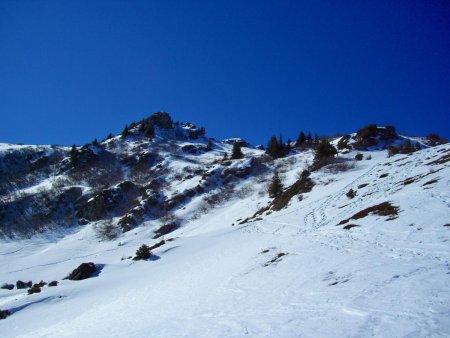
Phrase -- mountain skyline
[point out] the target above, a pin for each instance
(249, 70)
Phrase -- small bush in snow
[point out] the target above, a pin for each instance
(351, 194)
(35, 289)
(166, 229)
(244, 191)
(142, 253)
(275, 187)
(106, 230)
(339, 166)
(4, 314)
(359, 157)
(236, 152)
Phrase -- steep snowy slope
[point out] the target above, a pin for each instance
(326, 265)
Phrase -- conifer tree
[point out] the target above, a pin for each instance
(301, 139)
(95, 142)
(316, 140)
(149, 131)
(281, 147)
(209, 145)
(110, 136)
(309, 139)
(288, 146)
(272, 147)
(236, 153)
(73, 155)
(125, 131)
(325, 151)
(275, 187)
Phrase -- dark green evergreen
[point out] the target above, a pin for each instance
(301, 139)
(73, 154)
(125, 131)
(236, 153)
(275, 187)
(149, 131)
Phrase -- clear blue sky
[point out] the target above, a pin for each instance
(71, 71)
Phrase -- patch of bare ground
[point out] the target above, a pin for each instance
(440, 160)
(276, 259)
(349, 226)
(382, 209)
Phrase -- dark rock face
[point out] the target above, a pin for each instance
(116, 200)
(369, 136)
(44, 208)
(84, 271)
(23, 285)
(161, 119)
(53, 283)
(194, 149)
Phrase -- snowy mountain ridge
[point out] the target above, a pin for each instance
(357, 248)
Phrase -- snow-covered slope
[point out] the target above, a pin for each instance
(326, 265)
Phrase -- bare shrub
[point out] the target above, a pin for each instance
(262, 178)
(169, 217)
(177, 175)
(339, 166)
(244, 191)
(59, 183)
(106, 230)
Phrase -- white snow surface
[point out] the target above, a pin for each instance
(219, 278)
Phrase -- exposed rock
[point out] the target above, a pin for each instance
(7, 286)
(23, 285)
(84, 271)
(110, 202)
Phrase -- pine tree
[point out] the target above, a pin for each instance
(142, 126)
(272, 147)
(95, 143)
(149, 131)
(236, 152)
(110, 136)
(288, 146)
(73, 155)
(281, 147)
(125, 131)
(275, 187)
(316, 140)
(418, 147)
(276, 148)
(301, 139)
(209, 145)
(324, 152)
(309, 139)
(407, 147)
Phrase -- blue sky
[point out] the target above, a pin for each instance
(71, 71)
